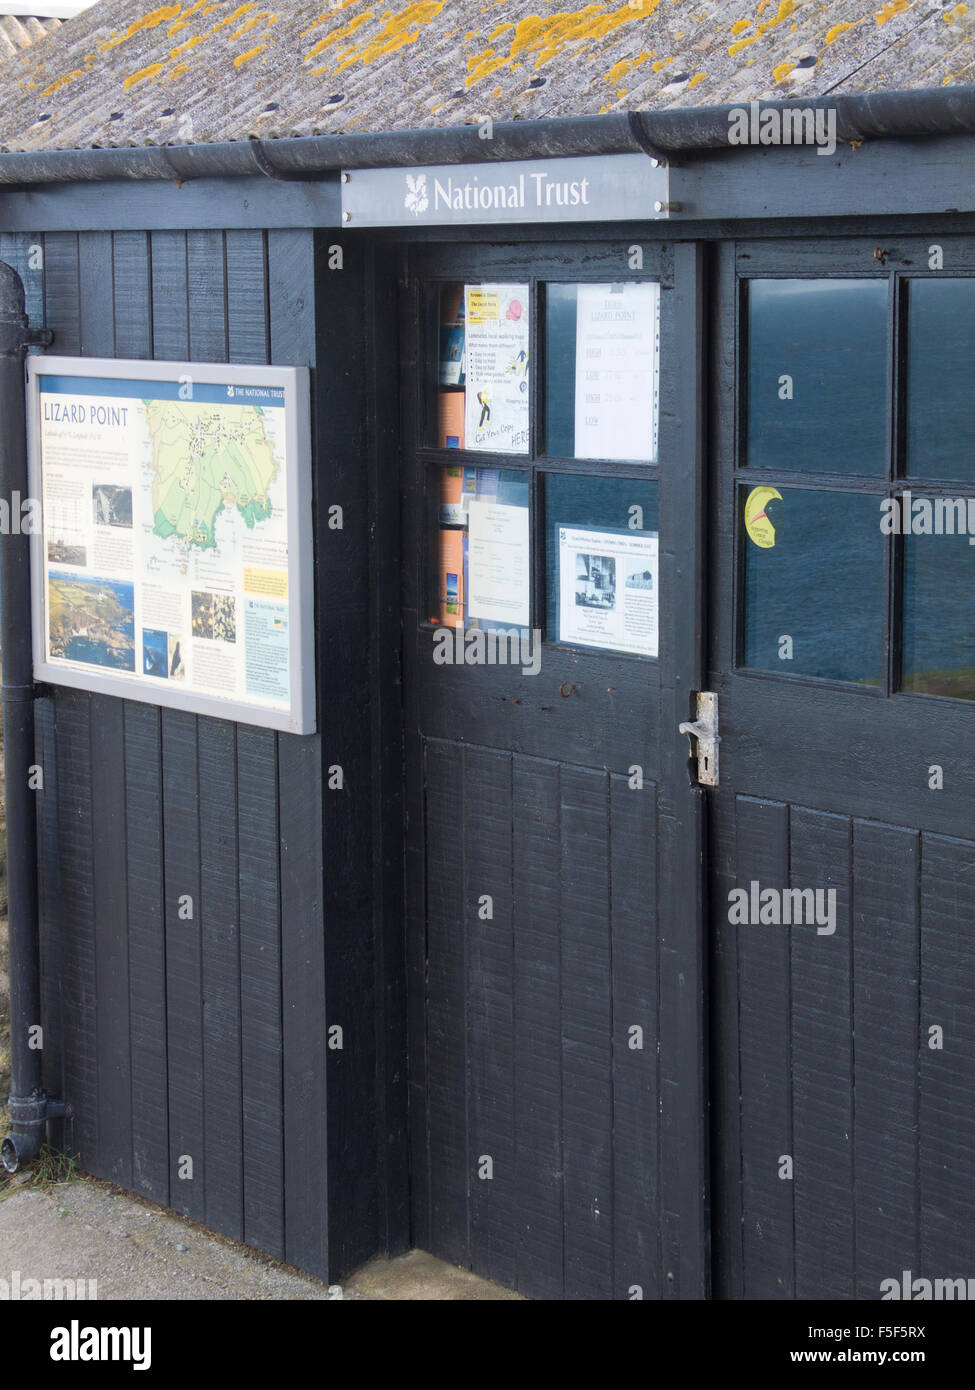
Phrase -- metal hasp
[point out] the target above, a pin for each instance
(30, 1108)
(705, 730)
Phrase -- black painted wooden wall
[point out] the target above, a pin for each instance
(207, 1038)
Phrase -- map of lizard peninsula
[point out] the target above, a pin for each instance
(176, 501)
(206, 458)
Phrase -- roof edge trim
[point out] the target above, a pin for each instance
(860, 116)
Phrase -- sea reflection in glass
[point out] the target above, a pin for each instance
(814, 584)
(817, 375)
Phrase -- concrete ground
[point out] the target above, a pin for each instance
(86, 1229)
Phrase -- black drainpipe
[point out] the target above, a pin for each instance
(30, 1108)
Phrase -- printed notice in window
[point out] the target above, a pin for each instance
(499, 577)
(617, 371)
(496, 388)
(174, 563)
(608, 590)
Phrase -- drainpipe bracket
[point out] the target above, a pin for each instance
(33, 1112)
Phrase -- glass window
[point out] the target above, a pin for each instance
(601, 563)
(483, 382)
(817, 375)
(939, 615)
(814, 583)
(602, 370)
(940, 366)
(483, 569)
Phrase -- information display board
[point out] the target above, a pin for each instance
(174, 561)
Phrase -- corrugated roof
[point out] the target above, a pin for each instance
(18, 32)
(218, 70)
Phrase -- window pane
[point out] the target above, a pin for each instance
(939, 616)
(601, 571)
(601, 371)
(482, 369)
(483, 561)
(814, 590)
(450, 374)
(817, 375)
(940, 364)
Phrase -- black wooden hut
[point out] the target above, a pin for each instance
(497, 963)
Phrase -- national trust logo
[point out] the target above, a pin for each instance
(416, 200)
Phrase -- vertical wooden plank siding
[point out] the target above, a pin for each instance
(449, 911)
(946, 1118)
(168, 864)
(219, 909)
(536, 991)
(487, 855)
(763, 972)
(147, 954)
(530, 1011)
(307, 1064)
(636, 1081)
(587, 1094)
(822, 1062)
(72, 735)
(49, 903)
(144, 825)
(97, 318)
(885, 995)
(184, 964)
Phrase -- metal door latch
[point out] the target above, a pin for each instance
(705, 730)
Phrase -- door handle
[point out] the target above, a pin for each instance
(705, 729)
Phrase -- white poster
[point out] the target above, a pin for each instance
(498, 572)
(496, 387)
(168, 568)
(617, 371)
(608, 590)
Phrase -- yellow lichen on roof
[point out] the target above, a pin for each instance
(345, 32)
(138, 26)
(838, 29)
(184, 19)
(545, 36)
(328, 15)
(153, 70)
(626, 65)
(786, 8)
(888, 11)
(243, 58)
(60, 82)
(399, 30)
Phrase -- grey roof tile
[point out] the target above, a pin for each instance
(19, 32)
(226, 70)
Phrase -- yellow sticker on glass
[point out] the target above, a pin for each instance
(757, 524)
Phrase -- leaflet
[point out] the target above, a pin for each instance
(496, 386)
(608, 589)
(499, 578)
(617, 370)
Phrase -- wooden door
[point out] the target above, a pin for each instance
(554, 856)
(843, 658)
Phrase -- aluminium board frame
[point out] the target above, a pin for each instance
(300, 716)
